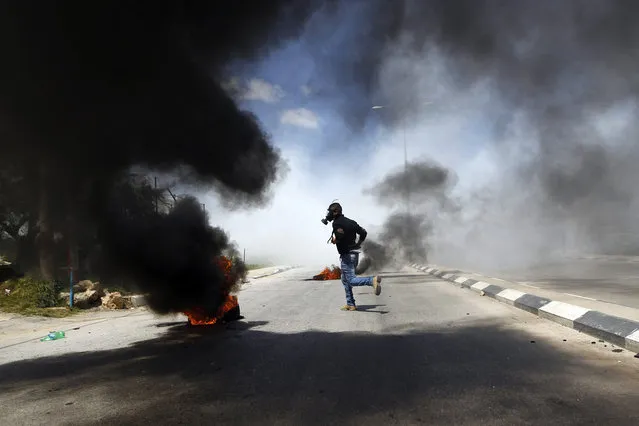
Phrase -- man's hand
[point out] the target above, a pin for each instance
(333, 240)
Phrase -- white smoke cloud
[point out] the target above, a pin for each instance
(300, 117)
(261, 90)
(289, 230)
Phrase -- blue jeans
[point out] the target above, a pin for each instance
(349, 262)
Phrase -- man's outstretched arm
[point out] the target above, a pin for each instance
(362, 235)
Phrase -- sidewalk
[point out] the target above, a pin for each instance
(616, 324)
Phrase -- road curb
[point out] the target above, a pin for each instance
(619, 331)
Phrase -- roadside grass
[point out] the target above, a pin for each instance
(29, 296)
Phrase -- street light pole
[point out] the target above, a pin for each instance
(406, 176)
(406, 179)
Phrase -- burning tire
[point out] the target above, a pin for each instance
(232, 315)
(229, 311)
(230, 308)
(328, 274)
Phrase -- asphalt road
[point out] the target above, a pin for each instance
(424, 352)
(612, 279)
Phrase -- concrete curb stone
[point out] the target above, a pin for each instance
(619, 331)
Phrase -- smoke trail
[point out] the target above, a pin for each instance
(89, 90)
(376, 257)
(404, 234)
(421, 182)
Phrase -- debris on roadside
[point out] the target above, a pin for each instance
(86, 295)
(115, 300)
(53, 335)
(93, 295)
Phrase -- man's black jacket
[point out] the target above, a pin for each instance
(345, 230)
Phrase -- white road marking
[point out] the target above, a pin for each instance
(581, 297)
(529, 285)
(461, 280)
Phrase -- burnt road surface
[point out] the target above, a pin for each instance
(611, 279)
(424, 352)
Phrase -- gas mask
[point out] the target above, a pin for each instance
(333, 210)
(328, 218)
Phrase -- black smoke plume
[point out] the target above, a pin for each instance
(90, 89)
(404, 234)
(418, 183)
(376, 257)
(558, 74)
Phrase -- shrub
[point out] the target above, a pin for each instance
(27, 294)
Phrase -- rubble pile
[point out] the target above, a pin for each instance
(88, 294)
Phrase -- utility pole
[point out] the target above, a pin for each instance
(172, 196)
(155, 179)
(406, 177)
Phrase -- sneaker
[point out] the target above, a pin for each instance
(349, 308)
(377, 285)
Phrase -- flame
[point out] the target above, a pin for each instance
(329, 274)
(198, 316)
